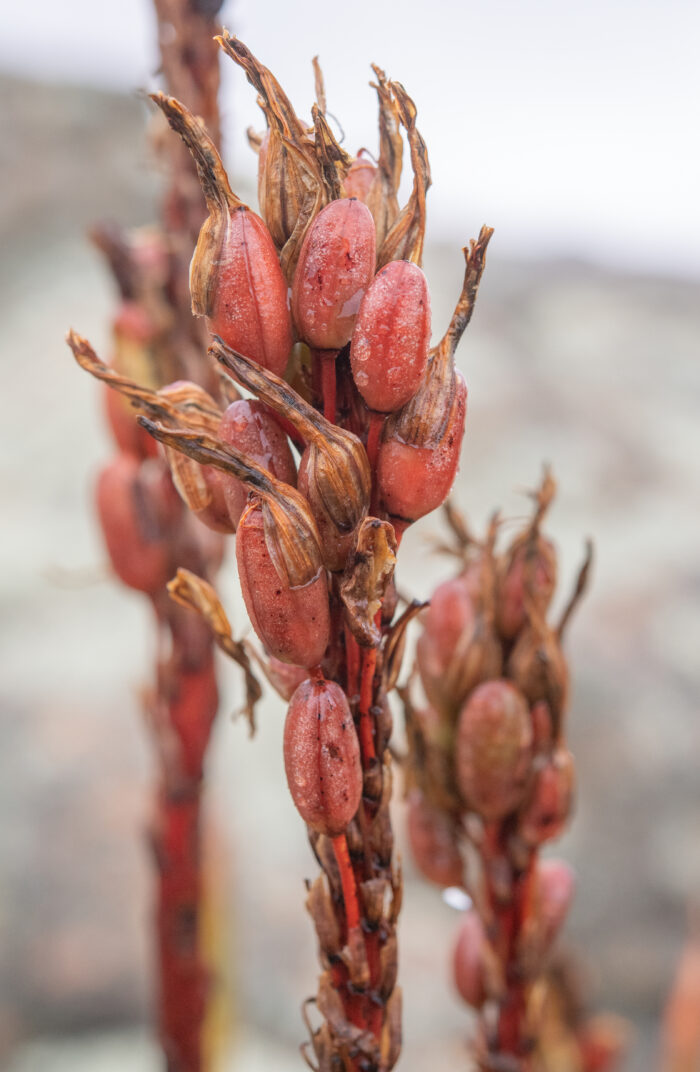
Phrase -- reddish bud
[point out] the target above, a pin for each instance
(494, 749)
(359, 179)
(127, 434)
(549, 802)
(292, 621)
(434, 842)
(335, 266)
(133, 503)
(322, 757)
(389, 349)
(249, 426)
(529, 568)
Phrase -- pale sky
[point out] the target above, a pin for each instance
(572, 128)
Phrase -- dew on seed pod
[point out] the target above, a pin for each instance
(547, 808)
(322, 757)
(335, 267)
(556, 885)
(494, 749)
(389, 349)
(334, 473)
(249, 426)
(468, 968)
(134, 504)
(235, 276)
(433, 838)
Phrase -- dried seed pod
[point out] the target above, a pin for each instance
(434, 842)
(335, 267)
(548, 807)
(404, 239)
(382, 199)
(235, 276)
(367, 573)
(538, 667)
(419, 453)
(201, 487)
(494, 749)
(334, 473)
(360, 177)
(528, 570)
(277, 548)
(556, 886)
(322, 757)
(133, 503)
(297, 173)
(389, 350)
(252, 429)
(467, 965)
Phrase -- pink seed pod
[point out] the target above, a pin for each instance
(419, 454)
(494, 749)
(133, 505)
(467, 962)
(249, 426)
(389, 350)
(358, 181)
(335, 267)
(322, 757)
(530, 568)
(121, 419)
(451, 616)
(284, 677)
(235, 276)
(548, 806)
(434, 843)
(556, 885)
(292, 621)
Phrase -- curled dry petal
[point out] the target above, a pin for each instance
(189, 590)
(334, 474)
(366, 576)
(382, 197)
(395, 644)
(404, 240)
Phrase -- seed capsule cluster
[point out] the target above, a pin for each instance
(319, 309)
(491, 776)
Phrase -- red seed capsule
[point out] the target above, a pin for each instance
(249, 426)
(335, 267)
(322, 757)
(284, 677)
(418, 460)
(131, 502)
(494, 749)
(468, 960)
(530, 567)
(556, 886)
(235, 276)
(358, 181)
(548, 807)
(434, 843)
(122, 422)
(389, 351)
(292, 622)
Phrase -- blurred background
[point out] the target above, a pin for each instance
(573, 131)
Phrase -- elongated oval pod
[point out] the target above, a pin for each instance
(122, 422)
(251, 428)
(235, 276)
(322, 757)
(335, 267)
(494, 749)
(451, 615)
(419, 454)
(334, 472)
(468, 968)
(434, 842)
(131, 503)
(538, 667)
(547, 809)
(556, 885)
(528, 570)
(389, 350)
(360, 177)
(277, 547)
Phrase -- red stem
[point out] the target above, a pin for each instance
(376, 424)
(352, 664)
(347, 881)
(328, 382)
(369, 665)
